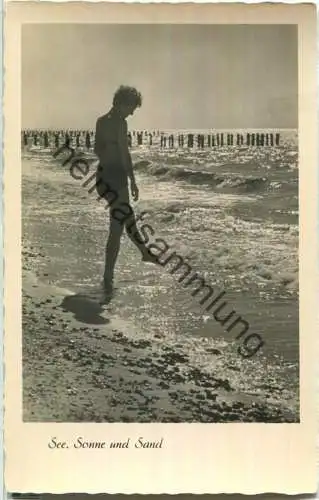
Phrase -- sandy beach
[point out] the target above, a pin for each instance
(147, 356)
(105, 372)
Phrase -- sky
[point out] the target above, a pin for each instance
(190, 76)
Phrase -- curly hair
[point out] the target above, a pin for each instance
(127, 95)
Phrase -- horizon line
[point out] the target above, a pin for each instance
(162, 129)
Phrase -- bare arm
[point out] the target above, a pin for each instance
(125, 153)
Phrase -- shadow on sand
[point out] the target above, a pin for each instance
(86, 308)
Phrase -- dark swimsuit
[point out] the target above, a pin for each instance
(112, 174)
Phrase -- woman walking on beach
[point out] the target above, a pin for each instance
(114, 170)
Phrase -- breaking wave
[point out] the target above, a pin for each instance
(225, 182)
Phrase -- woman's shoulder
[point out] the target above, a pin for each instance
(109, 124)
(112, 119)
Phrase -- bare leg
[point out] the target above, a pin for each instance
(112, 249)
(116, 231)
(136, 238)
(129, 222)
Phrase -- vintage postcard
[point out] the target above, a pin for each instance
(160, 194)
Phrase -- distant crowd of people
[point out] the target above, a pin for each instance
(85, 139)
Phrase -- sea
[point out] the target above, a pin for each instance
(230, 211)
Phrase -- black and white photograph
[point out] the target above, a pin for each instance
(160, 223)
(160, 270)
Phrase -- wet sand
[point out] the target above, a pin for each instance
(83, 361)
(80, 365)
